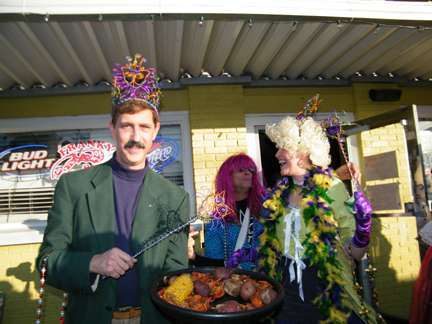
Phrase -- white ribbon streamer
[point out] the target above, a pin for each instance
(292, 220)
(243, 231)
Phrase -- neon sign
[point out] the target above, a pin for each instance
(160, 157)
(27, 160)
(86, 153)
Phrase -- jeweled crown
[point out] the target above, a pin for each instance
(134, 82)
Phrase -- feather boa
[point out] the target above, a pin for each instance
(320, 243)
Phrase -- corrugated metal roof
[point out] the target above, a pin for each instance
(66, 51)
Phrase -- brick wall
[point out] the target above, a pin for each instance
(382, 140)
(394, 252)
(394, 249)
(387, 139)
(218, 129)
(20, 280)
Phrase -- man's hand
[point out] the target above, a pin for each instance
(191, 243)
(113, 263)
(344, 174)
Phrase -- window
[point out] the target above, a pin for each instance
(35, 152)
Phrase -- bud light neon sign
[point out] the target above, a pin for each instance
(26, 158)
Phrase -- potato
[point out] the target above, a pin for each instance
(268, 295)
(221, 272)
(247, 290)
(232, 287)
(171, 280)
(229, 306)
(201, 288)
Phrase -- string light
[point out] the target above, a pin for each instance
(377, 29)
(294, 24)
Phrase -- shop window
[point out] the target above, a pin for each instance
(33, 158)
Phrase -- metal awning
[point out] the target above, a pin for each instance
(49, 48)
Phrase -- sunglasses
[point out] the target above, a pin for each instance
(242, 169)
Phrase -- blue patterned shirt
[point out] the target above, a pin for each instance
(215, 241)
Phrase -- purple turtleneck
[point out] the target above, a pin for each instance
(127, 188)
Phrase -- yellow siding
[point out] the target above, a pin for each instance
(254, 101)
(82, 104)
(291, 100)
(20, 280)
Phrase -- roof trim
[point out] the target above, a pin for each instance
(245, 81)
(391, 11)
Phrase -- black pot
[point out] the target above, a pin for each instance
(181, 315)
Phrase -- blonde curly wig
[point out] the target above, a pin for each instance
(301, 136)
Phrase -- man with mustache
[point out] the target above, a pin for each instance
(105, 214)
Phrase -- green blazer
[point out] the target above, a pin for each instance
(81, 224)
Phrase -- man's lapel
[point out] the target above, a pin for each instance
(101, 207)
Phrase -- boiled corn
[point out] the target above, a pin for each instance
(179, 290)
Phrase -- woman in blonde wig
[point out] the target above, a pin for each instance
(308, 231)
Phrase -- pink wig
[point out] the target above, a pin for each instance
(224, 183)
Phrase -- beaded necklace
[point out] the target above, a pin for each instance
(320, 243)
(371, 272)
(227, 238)
(42, 285)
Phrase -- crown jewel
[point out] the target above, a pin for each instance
(135, 82)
